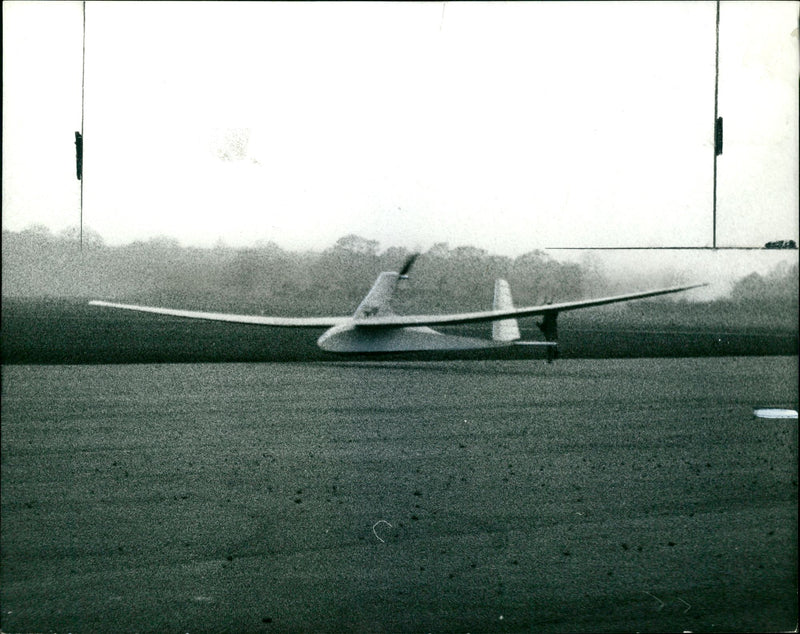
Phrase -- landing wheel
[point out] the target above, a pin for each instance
(549, 328)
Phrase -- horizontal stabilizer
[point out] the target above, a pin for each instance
(546, 344)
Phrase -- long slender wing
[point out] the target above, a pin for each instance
(397, 321)
(294, 322)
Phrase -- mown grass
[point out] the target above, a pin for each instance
(590, 495)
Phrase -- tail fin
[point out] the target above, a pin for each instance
(505, 329)
(377, 303)
(378, 300)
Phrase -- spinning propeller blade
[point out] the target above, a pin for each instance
(408, 264)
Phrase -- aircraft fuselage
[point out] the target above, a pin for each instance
(353, 338)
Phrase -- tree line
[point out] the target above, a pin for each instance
(266, 278)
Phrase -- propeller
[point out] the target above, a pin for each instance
(407, 266)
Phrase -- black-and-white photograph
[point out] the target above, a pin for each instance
(400, 316)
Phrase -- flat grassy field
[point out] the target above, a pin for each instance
(490, 496)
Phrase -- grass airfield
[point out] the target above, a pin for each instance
(487, 496)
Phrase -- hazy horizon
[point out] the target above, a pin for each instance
(26, 255)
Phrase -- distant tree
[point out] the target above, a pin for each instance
(394, 257)
(157, 243)
(541, 279)
(785, 272)
(749, 287)
(242, 272)
(439, 250)
(592, 271)
(36, 231)
(340, 276)
(780, 283)
(357, 244)
(73, 234)
(269, 245)
(469, 253)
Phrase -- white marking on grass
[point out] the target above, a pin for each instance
(661, 603)
(375, 533)
(774, 412)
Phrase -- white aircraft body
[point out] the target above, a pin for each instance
(376, 328)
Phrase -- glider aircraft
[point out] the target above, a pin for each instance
(375, 328)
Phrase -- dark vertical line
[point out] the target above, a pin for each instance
(83, 81)
(716, 113)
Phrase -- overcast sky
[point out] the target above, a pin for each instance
(508, 126)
